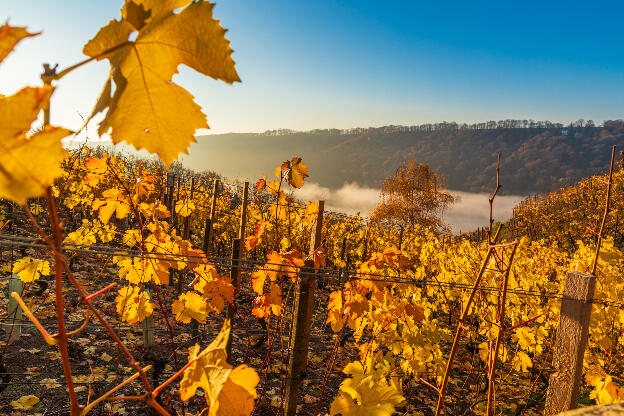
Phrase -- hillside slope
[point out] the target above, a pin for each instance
(534, 159)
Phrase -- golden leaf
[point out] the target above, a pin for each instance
(10, 36)
(298, 171)
(228, 391)
(184, 207)
(29, 269)
(43, 150)
(133, 305)
(25, 402)
(113, 202)
(147, 110)
(189, 306)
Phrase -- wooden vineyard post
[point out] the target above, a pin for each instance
(208, 237)
(187, 221)
(147, 325)
(343, 251)
(365, 245)
(572, 333)
(243, 217)
(302, 322)
(235, 268)
(13, 326)
(302, 319)
(235, 276)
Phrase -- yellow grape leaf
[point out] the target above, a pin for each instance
(366, 394)
(522, 362)
(217, 291)
(133, 305)
(210, 369)
(25, 402)
(147, 109)
(10, 36)
(114, 201)
(184, 207)
(29, 269)
(190, 305)
(525, 337)
(36, 209)
(96, 167)
(131, 238)
(335, 312)
(142, 270)
(227, 391)
(43, 150)
(50, 383)
(238, 393)
(96, 164)
(298, 171)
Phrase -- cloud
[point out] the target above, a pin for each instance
(471, 210)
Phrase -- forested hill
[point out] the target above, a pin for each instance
(536, 156)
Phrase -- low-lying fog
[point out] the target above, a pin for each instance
(469, 211)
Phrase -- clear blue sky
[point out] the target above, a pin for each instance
(320, 64)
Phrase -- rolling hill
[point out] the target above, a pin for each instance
(536, 156)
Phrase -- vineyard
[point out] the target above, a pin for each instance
(130, 290)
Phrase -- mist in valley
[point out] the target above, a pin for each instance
(470, 210)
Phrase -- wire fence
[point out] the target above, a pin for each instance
(250, 265)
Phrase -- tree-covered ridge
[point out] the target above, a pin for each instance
(538, 158)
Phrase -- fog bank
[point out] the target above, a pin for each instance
(469, 211)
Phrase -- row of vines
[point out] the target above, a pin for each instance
(116, 243)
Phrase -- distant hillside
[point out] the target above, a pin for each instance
(536, 156)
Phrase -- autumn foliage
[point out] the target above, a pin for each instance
(413, 195)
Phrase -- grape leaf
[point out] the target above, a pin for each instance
(147, 109)
(228, 391)
(298, 171)
(10, 36)
(189, 306)
(29, 269)
(25, 402)
(133, 305)
(114, 202)
(43, 150)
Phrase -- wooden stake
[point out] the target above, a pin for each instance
(572, 333)
(148, 331)
(243, 217)
(302, 319)
(302, 309)
(235, 276)
(208, 235)
(187, 221)
(365, 243)
(13, 326)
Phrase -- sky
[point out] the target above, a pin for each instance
(360, 63)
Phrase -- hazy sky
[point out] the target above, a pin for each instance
(320, 64)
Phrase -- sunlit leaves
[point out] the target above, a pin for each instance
(148, 110)
(216, 291)
(366, 393)
(227, 391)
(43, 150)
(29, 269)
(88, 231)
(189, 306)
(10, 36)
(114, 201)
(184, 207)
(133, 305)
(297, 173)
(143, 269)
(25, 402)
